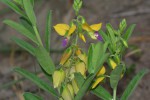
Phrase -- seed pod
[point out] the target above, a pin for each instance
(80, 67)
(71, 90)
(75, 86)
(66, 94)
(58, 78)
(83, 57)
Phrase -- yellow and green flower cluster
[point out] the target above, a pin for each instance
(67, 30)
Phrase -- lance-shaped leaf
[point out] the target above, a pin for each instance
(129, 32)
(27, 24)
(30, 96)
(29, 11)
(132, 85)
(36, 80)
(96, 54)
(79, 79)
(89, 59)
(102, 93)
(111, 33)
(14, 7)
(84, 88)
(115, 76)
(21, 29)
(48, 30)
(44, 60)
(25, 45)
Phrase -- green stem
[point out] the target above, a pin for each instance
(37, 35)
(114, 93)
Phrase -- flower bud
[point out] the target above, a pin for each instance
(78, 51)
(66, 94)
(82, 37)
(112, 63)
(65, 56)
(80, 67)
(98, 80)
(58, 78)
(75, 86)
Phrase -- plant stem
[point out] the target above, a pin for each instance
(37, 35)
(114, 93)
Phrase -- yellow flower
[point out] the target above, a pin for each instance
(92, 29)
(58, 78)
(64, 29)
(98, 80)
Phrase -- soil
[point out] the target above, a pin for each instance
(95, 11)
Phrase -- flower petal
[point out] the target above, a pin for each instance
(86, 27)
(82, 37)
(98, 80)
(71, 30)
(61, 29)
(92, 35)
(64, 42)
(101, 71)
(99, 37)
(96, 27)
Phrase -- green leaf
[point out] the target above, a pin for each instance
(96, 56)
(132, 85)
(104, 36)
(32, 2)
(36, 80)
(19, 2)
(97, 53)
(124, 42)
(84, 88)
(111, 33)
(122, 25)
(79, 79)
(29, 11)
(129, 32)
(21, 29)
(101, 62)
(14, 7)
(90, 55)
(25, 45)
(44, 60)
(30, 96)
(48, 30)
(115, 76)
(102, 93)
(27, 24)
